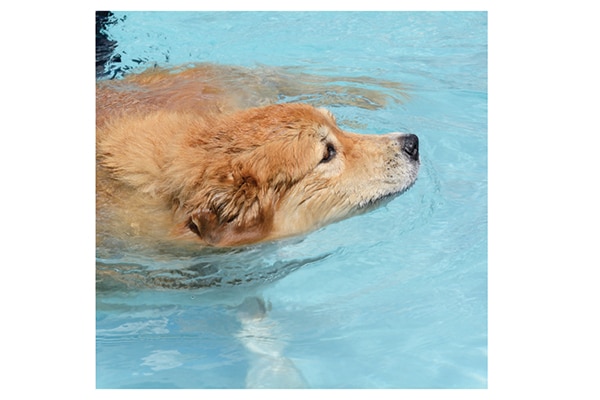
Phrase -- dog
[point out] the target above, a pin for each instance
(182, 159)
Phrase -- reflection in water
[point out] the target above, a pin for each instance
(249, 266)
(263, 339)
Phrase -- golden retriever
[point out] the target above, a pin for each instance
(180, 158)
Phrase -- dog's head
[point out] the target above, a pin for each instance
(286, 169)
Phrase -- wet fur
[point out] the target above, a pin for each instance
(179, 159)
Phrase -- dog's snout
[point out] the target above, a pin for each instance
(410, 146)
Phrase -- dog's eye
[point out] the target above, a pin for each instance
(329, 153)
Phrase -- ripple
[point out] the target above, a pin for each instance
(249, 266)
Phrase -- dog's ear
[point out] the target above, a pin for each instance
(234, 214)
(210, 229)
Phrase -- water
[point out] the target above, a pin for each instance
(395, 298)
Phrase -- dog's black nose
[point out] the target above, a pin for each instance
(410, 145)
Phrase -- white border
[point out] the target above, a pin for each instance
(542, 216)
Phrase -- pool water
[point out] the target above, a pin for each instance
(394, 298)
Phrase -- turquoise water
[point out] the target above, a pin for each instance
(395, 298)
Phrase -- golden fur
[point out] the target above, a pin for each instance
(178, 161)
